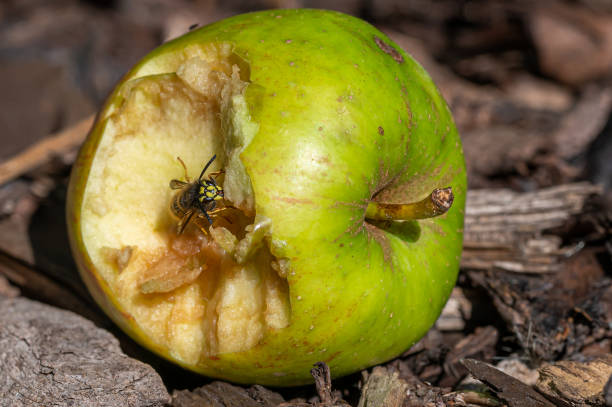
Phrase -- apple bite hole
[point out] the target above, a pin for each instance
(212, 289)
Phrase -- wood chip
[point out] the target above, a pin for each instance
(481, 344)
(457, 310)
(515, 367)
(507, 388)
(221, 394)
(383, 389)
(571, 383)
(507, 230)
(608, 392)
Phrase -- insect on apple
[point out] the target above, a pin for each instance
(197, 197)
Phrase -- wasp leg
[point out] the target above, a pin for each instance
(185, 221)
(205, 212)
(197, 222)
(184, 168)
(208, 217)
(215, 211)
(215, 174)
(219, 210)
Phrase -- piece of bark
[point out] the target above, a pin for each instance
(516, 368)
(53, 357)
(457, 310)
(264, 396)
(608, 392)
(557, 317)
(580, 126)
(425, 359)
(506, 230)
(570, 383)
(507, 388)
(395, 385)
(480, 344)
(222, 394)
(383, 389)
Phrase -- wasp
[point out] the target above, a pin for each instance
(197, 197)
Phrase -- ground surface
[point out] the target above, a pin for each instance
(531, 92)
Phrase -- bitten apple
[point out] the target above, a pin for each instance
(336, 242)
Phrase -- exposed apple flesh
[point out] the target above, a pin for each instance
(318, 120)
(188, 292)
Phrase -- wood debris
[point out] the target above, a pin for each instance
(573, 383)
(530, 88)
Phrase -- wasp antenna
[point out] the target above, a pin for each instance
(184, 168)
(206, 166)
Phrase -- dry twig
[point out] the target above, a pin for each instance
(43, 151)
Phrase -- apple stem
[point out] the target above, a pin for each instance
(435, 204)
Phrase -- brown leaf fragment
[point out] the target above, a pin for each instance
(507, 388)
(574, 383)
(221, 394)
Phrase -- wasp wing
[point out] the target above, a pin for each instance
(176, 184)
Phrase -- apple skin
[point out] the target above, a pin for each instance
(344, 115)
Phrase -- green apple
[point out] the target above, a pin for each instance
(317, 119)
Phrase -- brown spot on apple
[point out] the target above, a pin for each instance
(388, 49)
